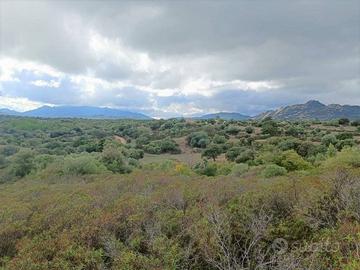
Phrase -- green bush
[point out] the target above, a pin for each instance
(348, 157)
(82, 164)
(162, 146)
(292, 161)
(344, 136)
(212, 151)
(344, 121)
(198, 139)
(270, 127)
(218, 139)
(239, 169)
(245, 156)
(23, 163)
(272, 170)
(329, 139)
(206, 168)
(8, 150)
(249, 130)
(114, 160)
(234, 152)
(233, 130)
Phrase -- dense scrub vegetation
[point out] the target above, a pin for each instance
(179, 194)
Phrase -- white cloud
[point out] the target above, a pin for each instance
(19, 104)
(9, 68)
(42, 83)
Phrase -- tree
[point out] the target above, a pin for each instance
(114, 160)
(23, 163)
(218, 139)
(272, 170)
(270, 127)
(292, 161)
(245, 156)
(233, 130)
(212, 151)
(249, 129)
(344, 121)
(329, 139)
(234, 152)
(82, 164)
(355, 123)
(198, 139)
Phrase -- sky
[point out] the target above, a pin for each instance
(182, 57)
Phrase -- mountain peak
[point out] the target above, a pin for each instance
(314, 103)
(314, 109)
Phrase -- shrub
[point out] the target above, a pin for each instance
(306, 149)
(292, 161)
(294, 131)
(198, 139)
(345, 143)
(23, 163)
(206, 168)
(249, 130)
(81, 165)
(245, 156)
(3, 162)
(289, 144)
(8, 150)
(162, 146)
(218, 139)
(212, 151)
(239, 169)
(348, 157)
(272, 170)
(344, 121)
(114, 160)
(234, 152)
(355, 123)
(329, 139)
(233, 130)
(344, 136)
(270, 127)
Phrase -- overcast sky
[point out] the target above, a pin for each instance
(170, 58)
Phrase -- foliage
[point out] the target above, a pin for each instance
(64, 203)
(272, 170)
(81, 165)
(23, 163)
(292, 161)
(198, 139)
(212, 151)
(270, 127)
(162, 146)
(239, 169)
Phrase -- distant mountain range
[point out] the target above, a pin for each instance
(77, 112)
(225, 116)
(313, 109)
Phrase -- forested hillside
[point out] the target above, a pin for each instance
(179, 194)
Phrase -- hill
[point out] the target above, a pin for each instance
(9, 112)
(313, 109)
(78, 112)
(225, 116)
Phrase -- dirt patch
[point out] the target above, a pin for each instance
(120, 139)
(189, 159)
(184, 147)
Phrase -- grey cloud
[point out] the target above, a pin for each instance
(310, 47)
